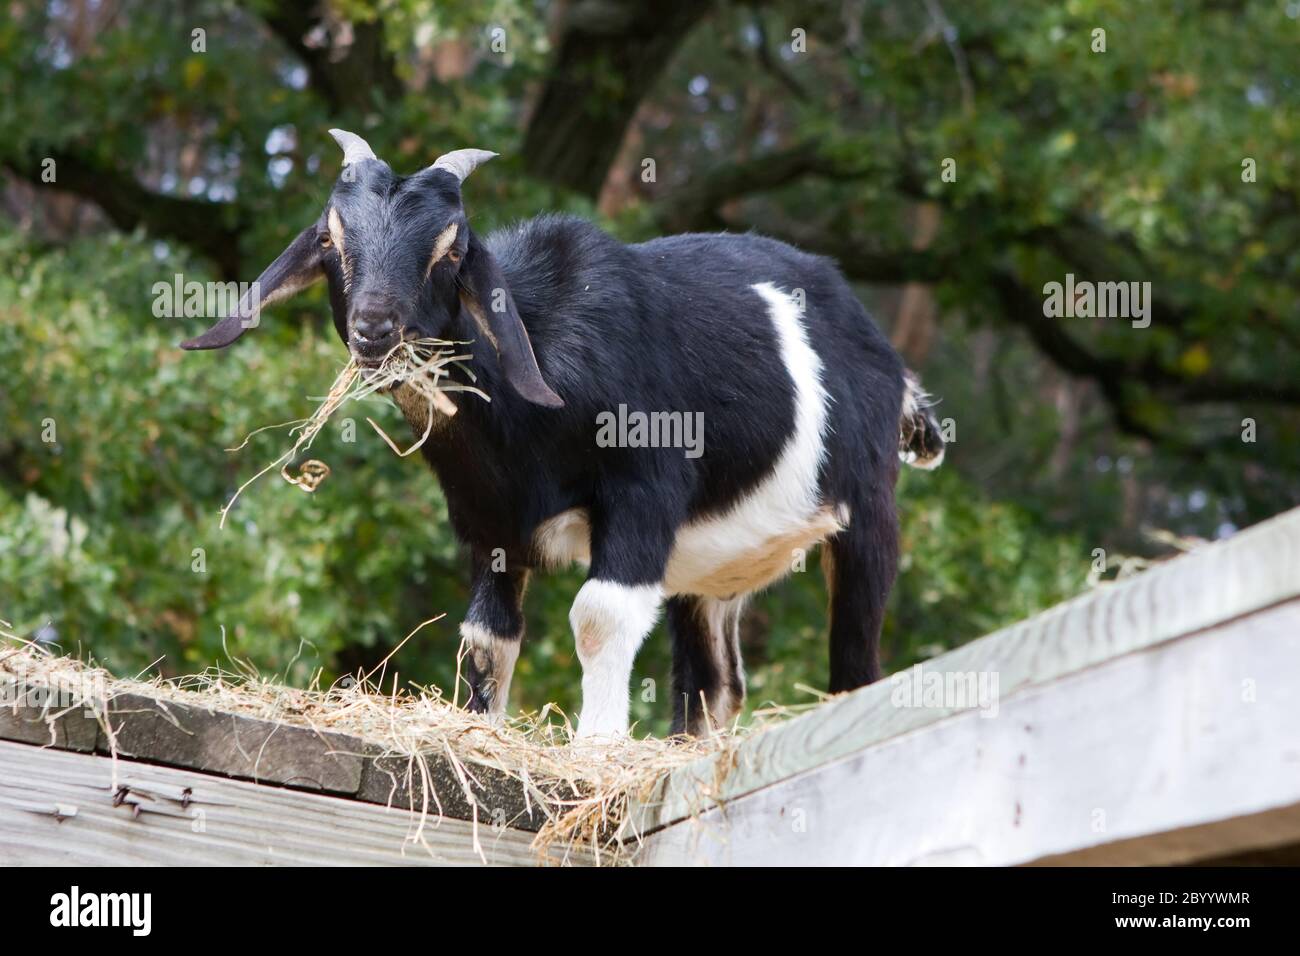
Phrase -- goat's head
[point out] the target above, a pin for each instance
(401, 262)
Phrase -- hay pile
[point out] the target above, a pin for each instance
(601, 782)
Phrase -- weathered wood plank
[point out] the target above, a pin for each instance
(195, 737)
(183, 735)
(1188, 749)
(36, 714)
(1255, 834)
(69, 809)
(499, 797)
(1252, 570)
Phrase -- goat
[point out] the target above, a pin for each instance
(808, 411)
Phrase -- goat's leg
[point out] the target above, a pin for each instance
(619, 603)
(708, 678)
(860, 570)
(492, 632)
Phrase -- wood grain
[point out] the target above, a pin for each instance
(65, 808)
(195, 737)
(1185, 751)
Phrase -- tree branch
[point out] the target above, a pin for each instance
(609, 54)
(345, 77)
(210, 228)
(697, 204)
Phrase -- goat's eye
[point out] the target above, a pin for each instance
(453, 255)
(325, 240)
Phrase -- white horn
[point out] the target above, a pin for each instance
(461, 162)
(354, 147)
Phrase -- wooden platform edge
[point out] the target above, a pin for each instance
(1183, 752)
(63, 807)
(162, 732)
(1253, 570)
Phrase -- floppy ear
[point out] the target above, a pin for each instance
(292, 271)
(493, 308)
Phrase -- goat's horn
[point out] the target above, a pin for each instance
(354, 147)
(461, 162)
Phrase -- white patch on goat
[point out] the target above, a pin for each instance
(495, 657)
(784, 511)
(916, 405)
(722, 621)
(925, 464)
(609, 623)
(441, 246)
(337, 238)
(915, 400)
(564, 539)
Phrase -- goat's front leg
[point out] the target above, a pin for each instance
(616, 608)
(492, 631)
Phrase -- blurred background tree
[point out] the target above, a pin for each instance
(952, 157)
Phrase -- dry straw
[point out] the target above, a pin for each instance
(586, 790)
(421, 365)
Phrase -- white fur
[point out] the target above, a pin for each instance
(722, 618)
(502, 652)
(787, 499)
(609, 623)
(565, 538)
(925, 464)
(916, 400)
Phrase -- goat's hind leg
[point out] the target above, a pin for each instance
(860, 566)
(708, 679)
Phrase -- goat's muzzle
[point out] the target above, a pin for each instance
(374, 333)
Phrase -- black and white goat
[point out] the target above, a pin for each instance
(806, 408)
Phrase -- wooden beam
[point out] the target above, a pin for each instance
(64, 808)
(213, 741)
(30, 715)
(1250, 571)
(1184, 751)
(137, 726)
(1254, 835)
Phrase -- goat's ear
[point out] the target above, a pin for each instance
(489, 301)
(293, 270)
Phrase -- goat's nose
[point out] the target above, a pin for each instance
(373, 326)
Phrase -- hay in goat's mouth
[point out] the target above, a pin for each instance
(588, 817)
(421, 365)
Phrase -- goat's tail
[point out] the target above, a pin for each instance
(920, 440)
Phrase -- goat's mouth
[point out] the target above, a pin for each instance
(383, 371)
(373, 355)
(423, 363)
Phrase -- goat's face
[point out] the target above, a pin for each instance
(393, 246)
(401, 263)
